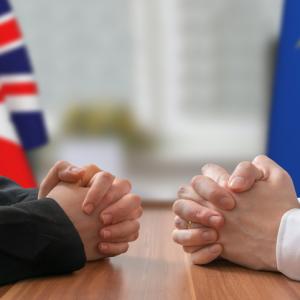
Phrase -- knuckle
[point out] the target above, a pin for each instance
(204, 216)
(286, 175)
(60, 163)
(207, 167)
(126, 183)
(200, 213)
(43, 183)
(137, 226)
(175, 207)
(135, 237)
(175, 236)
(202, 258)
(196, 260)
(125, 249)
(260, 158)
(282, 176)
(109, 197)
(222, 177)
(106, 176)
(245, 165)
(133, 226)
(187, 249)
(122, 207)
(107, 249)
(215, 195)
(139, 213)
(92, 168)
(197, 178)
(178, 222)
(181, 190)
(212, 234)
(136, 199)
(179, 207)
(97, 176)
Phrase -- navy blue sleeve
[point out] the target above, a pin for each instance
(36, 237)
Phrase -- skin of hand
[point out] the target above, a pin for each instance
(89, 176)
(70, 197)
(118, 210)
(252, 225)
(99, 182)
(206, 218)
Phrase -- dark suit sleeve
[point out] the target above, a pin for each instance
(36, 237)
(11, 193)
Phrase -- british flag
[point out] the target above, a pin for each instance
(21, 120)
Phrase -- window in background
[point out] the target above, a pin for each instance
(204, 76)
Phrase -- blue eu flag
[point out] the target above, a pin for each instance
(284, 135)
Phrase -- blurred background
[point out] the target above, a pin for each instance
(152, 90)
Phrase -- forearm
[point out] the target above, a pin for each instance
(37, 238)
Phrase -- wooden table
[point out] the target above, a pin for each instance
(155, 268)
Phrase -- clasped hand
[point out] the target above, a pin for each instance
(234, 217)
(99, 205)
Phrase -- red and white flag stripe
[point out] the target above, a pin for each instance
(10, 34)
(19, 92)
(13, 161)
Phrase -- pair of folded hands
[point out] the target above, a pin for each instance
(100, 206)
(235, 216)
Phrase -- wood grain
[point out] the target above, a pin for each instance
(156, 268)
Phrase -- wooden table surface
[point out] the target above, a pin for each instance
(156, 268)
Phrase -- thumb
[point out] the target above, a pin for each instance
(244, 177)
(61, 171)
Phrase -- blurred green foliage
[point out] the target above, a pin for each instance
(105, 119)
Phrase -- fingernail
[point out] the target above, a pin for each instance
(237, 182)
(75, 169)
(226, 203)
(105, 234)
(199, 216)
(88, 208)
(208, 236)
(106, 219)
(214, 248)
(183, 234)
(215, 221)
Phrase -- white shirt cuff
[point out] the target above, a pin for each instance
(288, 244)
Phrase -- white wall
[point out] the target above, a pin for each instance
(80, 49)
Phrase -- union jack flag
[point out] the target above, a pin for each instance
(21, 120)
